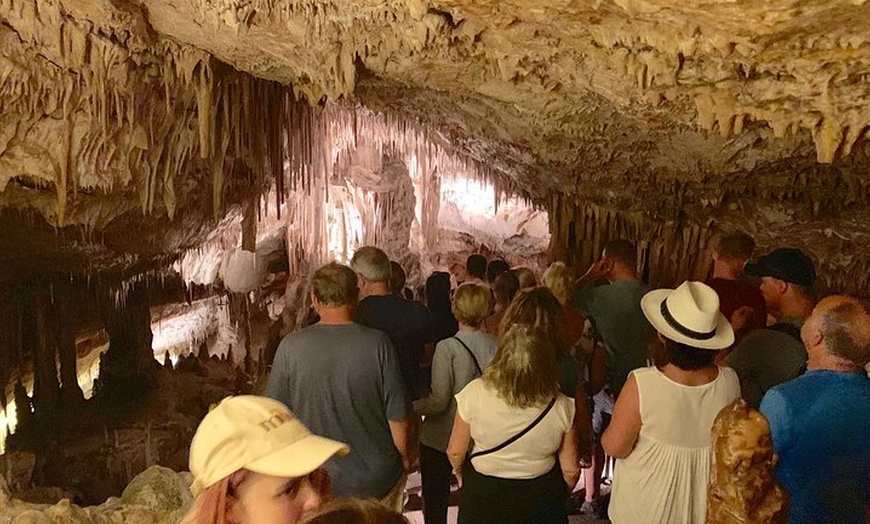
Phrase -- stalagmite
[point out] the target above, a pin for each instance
(46, 388)
(66, 349)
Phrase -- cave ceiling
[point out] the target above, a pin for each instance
(123, 114)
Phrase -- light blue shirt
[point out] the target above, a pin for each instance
(820, 424)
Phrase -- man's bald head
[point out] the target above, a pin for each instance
(844, 325)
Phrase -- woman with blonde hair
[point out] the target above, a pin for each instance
(458, 360)
(253, 462)
(520, 424)
(559, 279)
(539, 309)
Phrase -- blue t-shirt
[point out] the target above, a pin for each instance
(820, 424)
(343, 382)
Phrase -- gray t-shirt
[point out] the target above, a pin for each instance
(343, 382)
(767, 358)
(614, 310)
(452, 370)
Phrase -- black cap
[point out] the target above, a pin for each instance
(787, 264)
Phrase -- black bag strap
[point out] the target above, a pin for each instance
(471, 354)
(519, 435)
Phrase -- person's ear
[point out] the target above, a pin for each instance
(811, 333)
(781, 286)
(314, 302)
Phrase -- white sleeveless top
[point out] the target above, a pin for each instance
(492, 422)
(665, 478)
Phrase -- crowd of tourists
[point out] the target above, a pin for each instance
(511, 388)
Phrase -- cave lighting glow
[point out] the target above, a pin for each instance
(177, 334)
(87, 370)
(472, 206)
(8, 421)
(344, 227)
(181, 331)
(475, 196)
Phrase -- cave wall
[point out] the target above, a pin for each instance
(677, 249)
(162, 117)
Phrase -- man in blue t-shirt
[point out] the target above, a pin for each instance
(343, 381)
(820, 422)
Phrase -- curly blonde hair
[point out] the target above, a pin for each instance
(558, 279)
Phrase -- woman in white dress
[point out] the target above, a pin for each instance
(660, 430)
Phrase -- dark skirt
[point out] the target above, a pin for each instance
(488, 500)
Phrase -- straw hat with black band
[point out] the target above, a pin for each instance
(688, 315)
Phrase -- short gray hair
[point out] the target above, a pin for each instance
(371, 263)
(845, 325)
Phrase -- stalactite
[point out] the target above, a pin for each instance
(129, 358)
(249, 228)
(318, 146)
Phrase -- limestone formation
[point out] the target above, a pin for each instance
(156, 496)
(159, 489)
(166, 114)
(743, 489)
(151, 151)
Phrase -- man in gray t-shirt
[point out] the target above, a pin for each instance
(343, 381)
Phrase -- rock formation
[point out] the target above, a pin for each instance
(669, 116)
(157, 495)
(743, 489)
(157, 153)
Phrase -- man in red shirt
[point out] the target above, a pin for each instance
(730, 253)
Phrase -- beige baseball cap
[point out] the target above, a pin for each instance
(258, 434)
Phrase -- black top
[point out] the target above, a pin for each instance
(409, 326)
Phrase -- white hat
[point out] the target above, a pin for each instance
(689, 315)
(258, 434)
